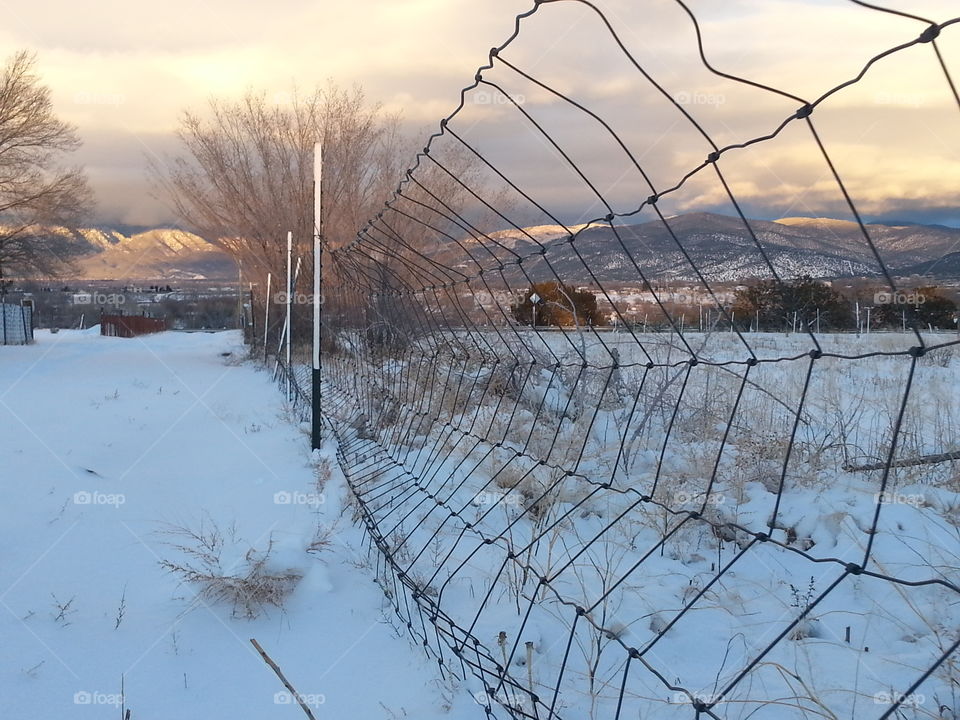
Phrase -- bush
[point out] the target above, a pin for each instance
(249, 590)
(775, 304)
(558, 306)
(925, 306)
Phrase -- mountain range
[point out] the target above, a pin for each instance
(720, 247)
(113, 253)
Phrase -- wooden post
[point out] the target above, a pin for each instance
(279, 673)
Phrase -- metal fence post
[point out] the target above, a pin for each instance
(316, 440)
(289, 308)
(266, 316)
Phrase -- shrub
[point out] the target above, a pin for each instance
(775, 303)
(558, 305)
(248, 588)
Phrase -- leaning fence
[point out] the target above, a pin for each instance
(297, 384)
(676, 524)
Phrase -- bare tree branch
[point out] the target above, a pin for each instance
(245, 176)
(41, 202)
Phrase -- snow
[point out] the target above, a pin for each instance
(108, 443)
(710, 605)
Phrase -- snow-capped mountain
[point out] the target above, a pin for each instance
(718, 246)
(145, 253)
(721, 248)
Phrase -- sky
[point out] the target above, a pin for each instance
(123, 73)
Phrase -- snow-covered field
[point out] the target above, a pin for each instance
(725, 556)
(106, 446)
(112, 449)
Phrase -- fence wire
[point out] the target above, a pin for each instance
(296, 381)
(579, 522)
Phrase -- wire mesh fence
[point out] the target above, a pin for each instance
(16, 324)
(297, 383)
(584, 521)
(268, 331)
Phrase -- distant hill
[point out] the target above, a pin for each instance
(720, 247)
(946, 266)
(150, 254)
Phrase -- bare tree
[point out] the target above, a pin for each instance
(41, 201)
(245, 176)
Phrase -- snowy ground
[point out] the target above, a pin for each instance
(505, 475)
(107, 443)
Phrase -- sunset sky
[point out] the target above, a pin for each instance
(123, 72)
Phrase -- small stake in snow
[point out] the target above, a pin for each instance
(529, 646)
(286, 683)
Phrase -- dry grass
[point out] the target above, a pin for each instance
(247, 589)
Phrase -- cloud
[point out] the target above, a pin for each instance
(892, 136)
(124, 73)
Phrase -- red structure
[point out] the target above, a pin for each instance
(129, 326)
